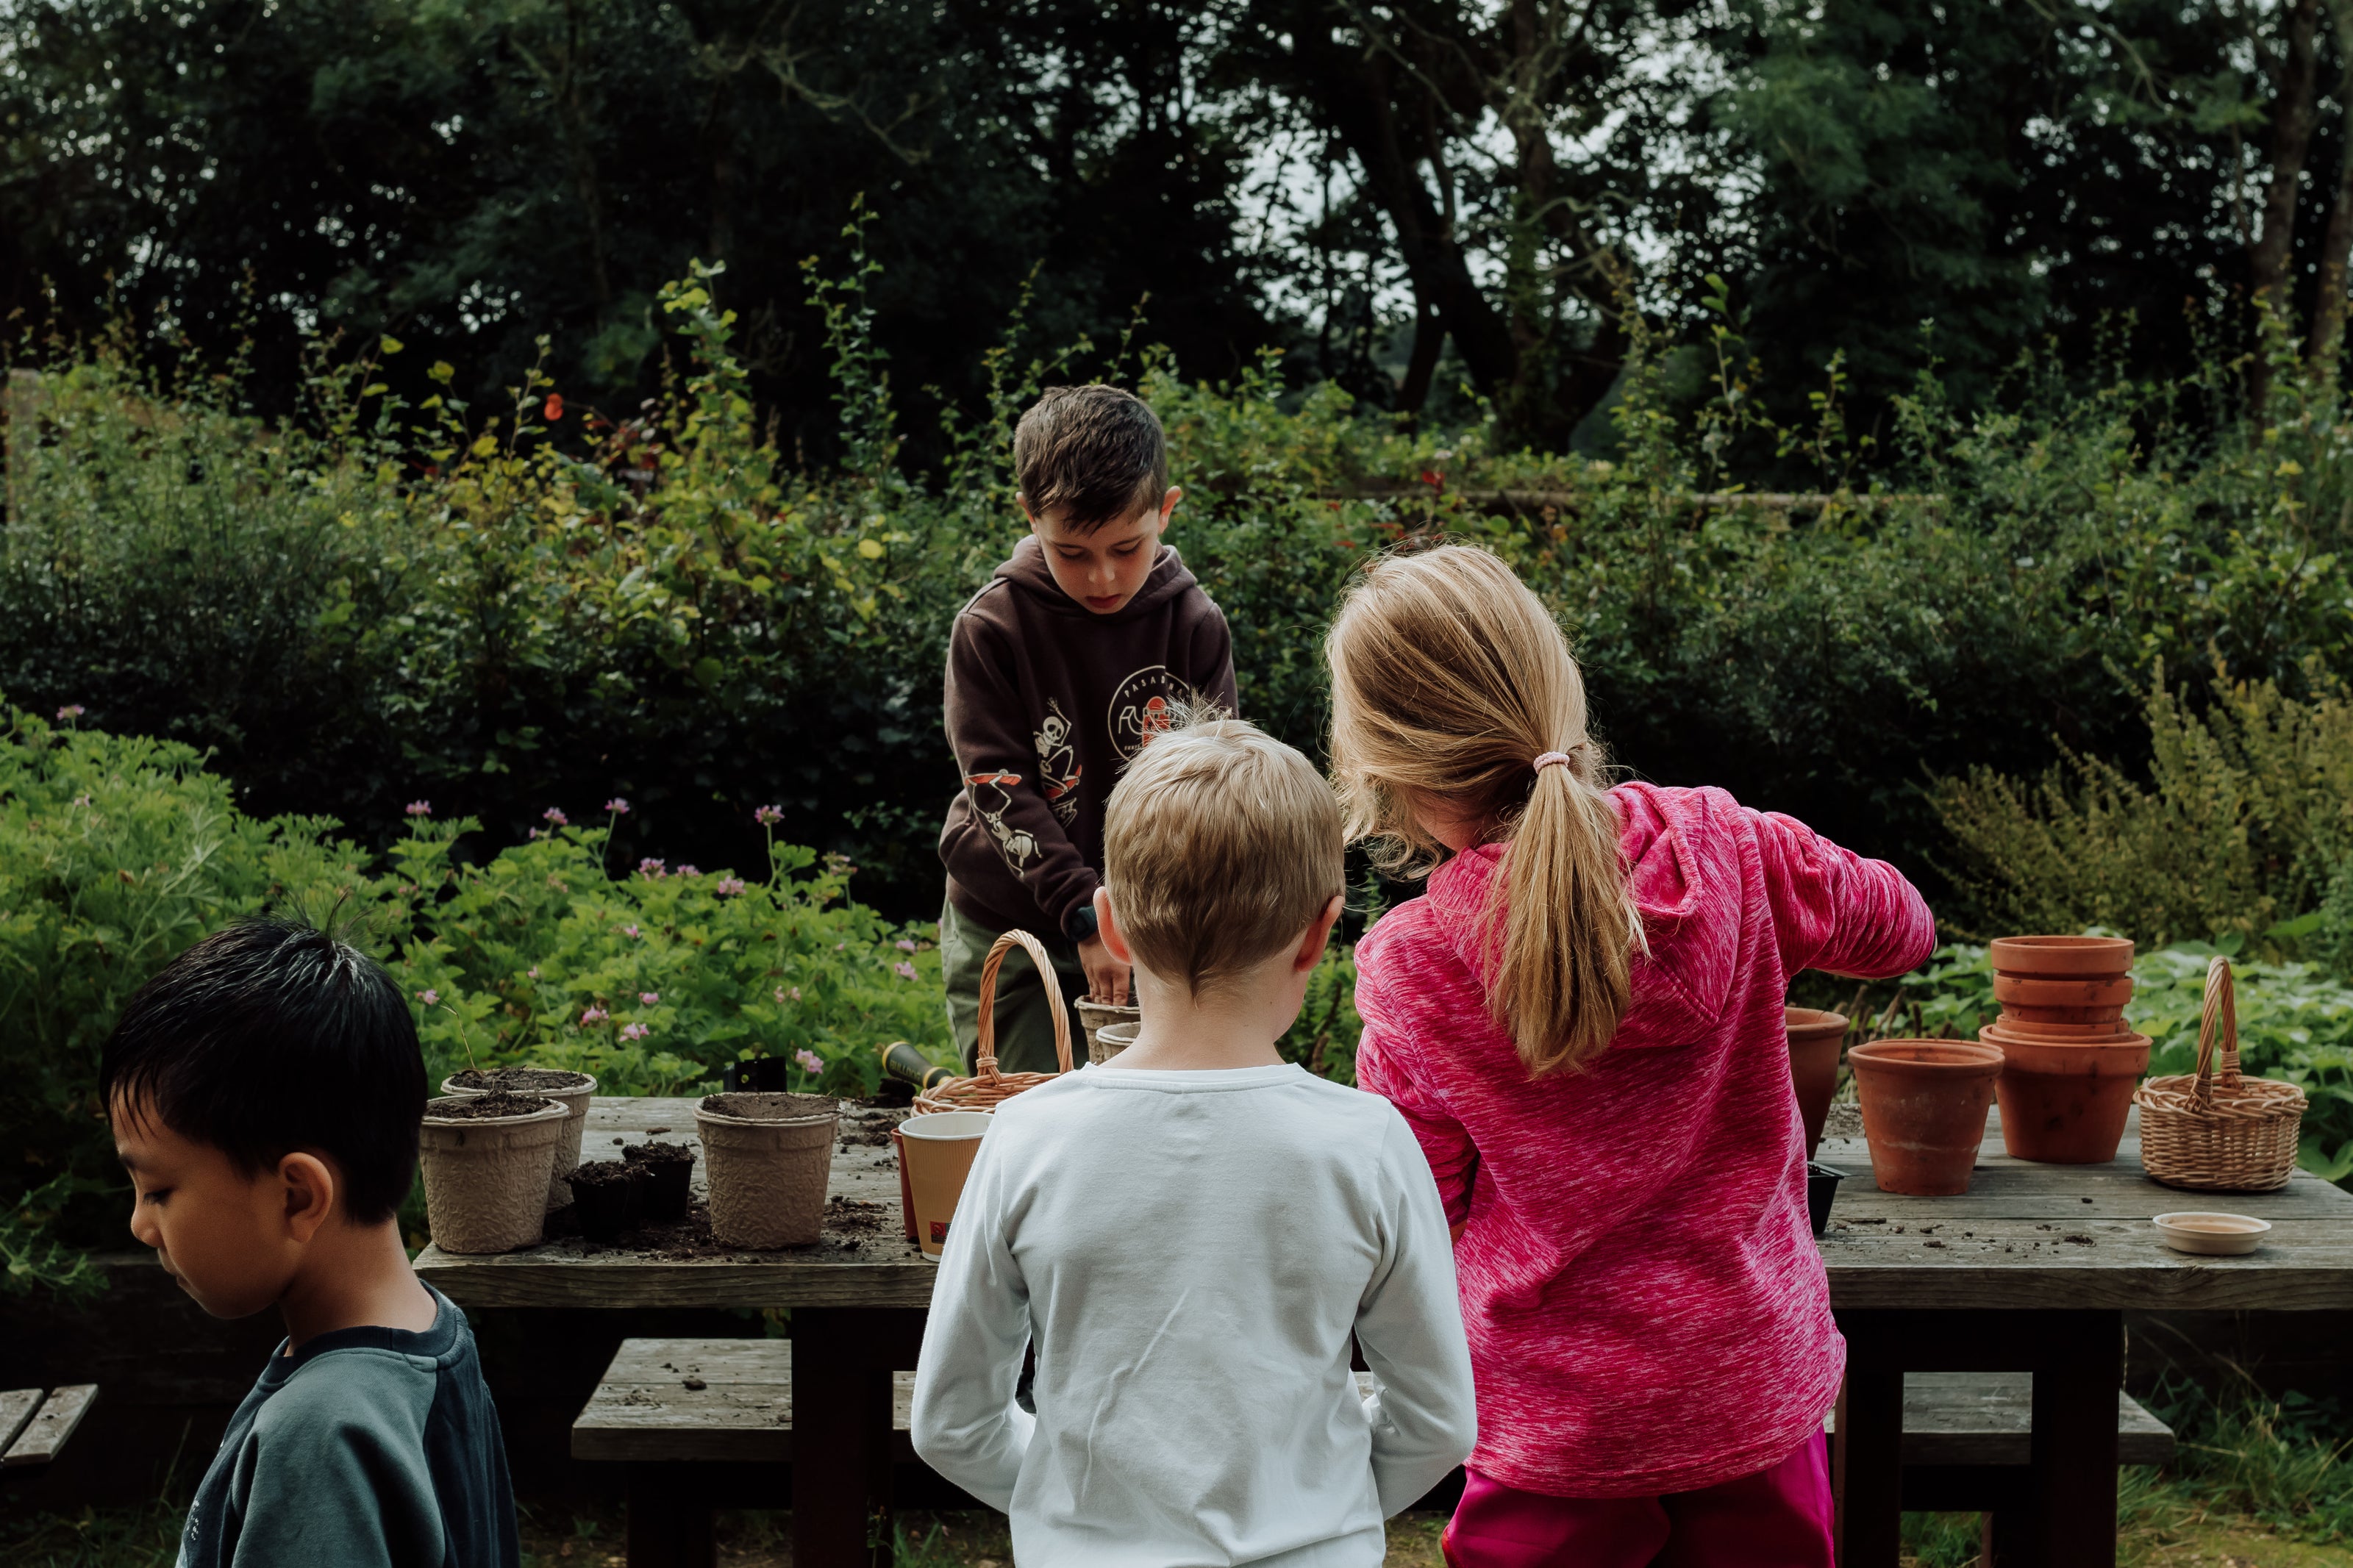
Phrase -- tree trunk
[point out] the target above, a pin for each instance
(2291, 116)
(1429, 337)
(2328, 302)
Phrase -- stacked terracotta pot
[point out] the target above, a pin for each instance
(2069, 1060)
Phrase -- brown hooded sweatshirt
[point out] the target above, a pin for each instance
(1047, 702)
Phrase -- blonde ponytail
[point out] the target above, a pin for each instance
(1449, 680)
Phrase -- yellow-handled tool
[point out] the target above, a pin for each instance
(908, 1065)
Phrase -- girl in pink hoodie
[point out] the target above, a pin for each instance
(1581, 1020)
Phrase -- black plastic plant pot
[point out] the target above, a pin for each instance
(1822, 1185)
(667, 1168)
(761, 1075)
(608, 1197)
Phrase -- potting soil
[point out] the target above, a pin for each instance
(488, 1107)
(518, 1081)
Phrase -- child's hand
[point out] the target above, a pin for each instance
(1106, 976)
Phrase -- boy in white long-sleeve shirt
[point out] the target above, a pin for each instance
(1189, 1238)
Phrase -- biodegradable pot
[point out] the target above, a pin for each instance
(2068, 995)
(768, 1157)
(1095, 1016)
(1110, 1040)
(486, 1177)
(573, 1088)
(936, 1150)
(1924, 1111)
(2066, 1104)
(669, 1170)
(1814, 1039)
(1821, 1190)
(608, 1197)
(2063, 957)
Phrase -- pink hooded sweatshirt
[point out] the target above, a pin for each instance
(1647, 1309)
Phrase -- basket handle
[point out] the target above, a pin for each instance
(2217, 1025)
(986, 1062)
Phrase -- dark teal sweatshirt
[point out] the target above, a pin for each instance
(366, 1448)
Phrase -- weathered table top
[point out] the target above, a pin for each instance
(2024, 1236)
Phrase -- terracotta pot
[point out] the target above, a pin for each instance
(1814, 1039)
(2057, 1021)
(2012, 990)
(2062, 957)
(486, 1177)
(2004, 1035)
(573, 1088)
(1924, 1111)
(767, 1158)
(2066, 1104)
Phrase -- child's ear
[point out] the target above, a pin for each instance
(311, 1192)
(1168, 504)
(1022, 501)
(1107, 928)
(1319, 935)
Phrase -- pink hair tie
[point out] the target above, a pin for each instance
(1549, 759)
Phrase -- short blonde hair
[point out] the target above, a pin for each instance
(1220, 845)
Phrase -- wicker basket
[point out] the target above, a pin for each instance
(2219, 1131)
(986, 1087)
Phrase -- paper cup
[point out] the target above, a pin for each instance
(938, 1150)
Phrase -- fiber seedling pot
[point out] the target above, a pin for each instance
(768, 1157)
(1094, 1017)
(573, 1088)
(487, 1159)
(937, 1151)
(1110, 1040)
(1814, 1039)
(609, 1198)
(1924, 1111)
(2066, 1104)
(2063, 957)
(668, 1168)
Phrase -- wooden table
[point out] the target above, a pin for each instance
(2031, 1271)
(858, 1303)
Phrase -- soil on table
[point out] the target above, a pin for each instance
(518, 1081)
(867, 1123)
(487, 1107)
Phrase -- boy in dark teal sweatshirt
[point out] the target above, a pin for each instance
(265, 1091)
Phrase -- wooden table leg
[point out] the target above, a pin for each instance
(1868, 1467)
(2076, 1377)
(841, 1441)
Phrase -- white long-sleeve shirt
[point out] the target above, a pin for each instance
(1190, 1253)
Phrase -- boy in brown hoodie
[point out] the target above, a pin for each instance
(1080, 649)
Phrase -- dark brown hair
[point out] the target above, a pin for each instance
(1094, 452)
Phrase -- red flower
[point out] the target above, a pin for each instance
(554, 409)
(1432, 479)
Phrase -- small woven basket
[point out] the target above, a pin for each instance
(2219, 1131)
(986, 1088)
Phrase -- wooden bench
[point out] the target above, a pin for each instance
(1967, 1443)
(34, 1425)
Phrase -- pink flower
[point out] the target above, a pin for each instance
(634, 1031)
(904, 970)
(420, 808)
(534, 832)
(811, 1063)
(554, 816)
(794, 993)
(594, 1016)
(631, 931)
(903, 945)
(531, 974)
(429, 997)
(690, 871)
(617, 807)
(727, 887)
(652, 870)
(768, 816)
(69, 713)
(81, 800)
(648, 998)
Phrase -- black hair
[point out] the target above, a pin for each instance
(272, 1035)
(1096, 451)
